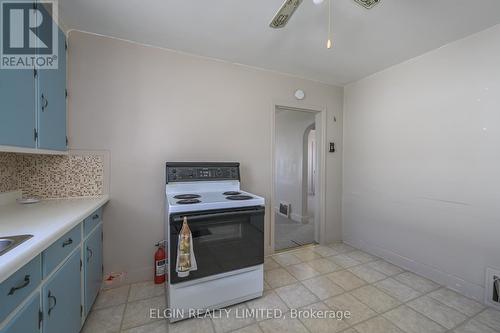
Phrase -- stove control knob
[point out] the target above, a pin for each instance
(218, 172)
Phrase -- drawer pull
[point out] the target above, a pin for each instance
(50, 296)
(95, 217)
(89, 253)
(25, 283)
(68, 242)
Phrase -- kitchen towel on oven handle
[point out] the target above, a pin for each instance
(186, 261)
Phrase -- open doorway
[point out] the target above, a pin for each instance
(296, 156)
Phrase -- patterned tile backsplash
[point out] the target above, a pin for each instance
(52, 176)
(8, 172)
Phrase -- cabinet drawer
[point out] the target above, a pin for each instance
(61, 249)
(19, 285)
(27, 319)
(91, 221)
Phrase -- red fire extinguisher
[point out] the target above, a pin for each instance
(160, 263)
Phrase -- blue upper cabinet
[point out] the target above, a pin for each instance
(17, 105)
(33, 103)
(51, 106)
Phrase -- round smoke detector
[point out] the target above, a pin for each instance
(299, 94)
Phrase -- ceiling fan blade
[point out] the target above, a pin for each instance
(284, 13)
(368, 4)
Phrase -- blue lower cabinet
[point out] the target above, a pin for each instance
(90, 222)
(61, 298)
(27, 319)
(61, 248)
(19, 285)
(92, 267)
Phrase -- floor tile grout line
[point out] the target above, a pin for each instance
(496, 329)
(242, 327)
(318, 299)
(421, 294)
(345, 292)
(246, 306)
(401, 302)
(406, 304)
(125, 308)
(446, 305)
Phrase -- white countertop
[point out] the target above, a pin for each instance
(46, 220)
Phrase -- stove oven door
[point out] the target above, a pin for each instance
(223, 240)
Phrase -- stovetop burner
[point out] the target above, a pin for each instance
(187, 196)
(188, 201)
(239, 197)
(231, 193)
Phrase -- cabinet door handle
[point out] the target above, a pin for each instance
(95, 217)
(45, 102)
(68, 242)
(25, 283)
(50, 296)
(89, 253)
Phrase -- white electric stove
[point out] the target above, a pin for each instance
(227, 226)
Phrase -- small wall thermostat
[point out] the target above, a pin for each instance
(332, 147)
(299, 94)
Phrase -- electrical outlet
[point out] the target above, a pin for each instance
(492, 287)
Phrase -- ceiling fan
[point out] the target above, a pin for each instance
(288, 8)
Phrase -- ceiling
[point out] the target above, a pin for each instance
(365, 41)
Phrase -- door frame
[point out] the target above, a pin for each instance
(305, 174)
(321, 122)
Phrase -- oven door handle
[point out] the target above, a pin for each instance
(194, 218)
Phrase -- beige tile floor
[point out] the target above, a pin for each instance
(381, 297)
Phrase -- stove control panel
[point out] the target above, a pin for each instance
(191, 172)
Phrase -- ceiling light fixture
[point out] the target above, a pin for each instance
(329, 42)
(289, 7)
(368, 4)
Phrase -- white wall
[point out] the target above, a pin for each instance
(422, 160)
(148, 105)
(290, 129)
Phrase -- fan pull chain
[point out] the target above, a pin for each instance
(330, 25)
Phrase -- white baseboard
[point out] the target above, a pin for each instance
(299, 218)
(133, 276)
(453, 282)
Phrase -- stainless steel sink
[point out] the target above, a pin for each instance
(10, 242)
